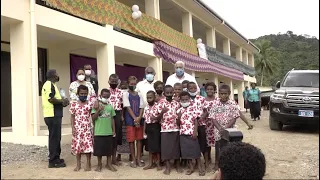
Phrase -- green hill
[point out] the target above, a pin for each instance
(294, 51)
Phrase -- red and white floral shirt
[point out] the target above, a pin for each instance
(188, 117)
(150, 111)
(116, 98)
(169, 120)
(223, 113)
(199, 103)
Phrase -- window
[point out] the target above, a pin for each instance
(42, 67)
(302, 80)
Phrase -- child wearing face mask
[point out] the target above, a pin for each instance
(133, 102)
(152, 131)
(167, 116)
(185, 85)
(81, 127)
(80, 81)
(223, 114)
(199, 102)
(115, 101)
(104, 130)
(188, 122)
(158, 87)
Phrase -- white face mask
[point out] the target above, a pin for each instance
(81, 77)
(186, 104)
(103, 100)
(193, 94)
(87, 72)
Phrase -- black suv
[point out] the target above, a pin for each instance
(296, 100)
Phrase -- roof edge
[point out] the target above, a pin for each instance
(202, 4)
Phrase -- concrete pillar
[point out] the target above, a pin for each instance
(239, 54)
(245, 57)
(105, 64)
(226, 47)
(152, 8)
(211, 37)
(240, 97)
(22, 48)
(156, 63)
(250, 60)
(231, 89)
(187, 24)
(217, 83)
(247, 83)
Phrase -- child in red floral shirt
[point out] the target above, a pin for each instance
(152, 130)
(188, 116)
(170, 148)
(223, 114)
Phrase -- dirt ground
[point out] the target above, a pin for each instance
(291, 154)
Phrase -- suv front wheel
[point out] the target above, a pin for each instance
(274, 124)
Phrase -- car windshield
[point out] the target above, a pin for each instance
(302, 80)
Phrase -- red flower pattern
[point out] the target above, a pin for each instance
(188, 118)
(223, 113)
(209, 125)
(115, 98)
(82, 137)
(199, 103)
(169, 120)
(150, 111)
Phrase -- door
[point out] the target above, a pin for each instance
(6, 113)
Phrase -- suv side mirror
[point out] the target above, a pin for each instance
(278, 85)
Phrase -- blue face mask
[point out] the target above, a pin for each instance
(149, 77)
(179, 72)
(82, 98)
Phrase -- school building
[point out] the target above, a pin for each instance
(37, 35)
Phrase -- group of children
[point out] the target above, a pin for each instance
(179, 125)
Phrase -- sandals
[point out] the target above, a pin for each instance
(141, 163)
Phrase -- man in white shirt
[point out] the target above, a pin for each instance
(147, 84)
(180, 75)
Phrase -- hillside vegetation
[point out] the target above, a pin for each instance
(282, 52)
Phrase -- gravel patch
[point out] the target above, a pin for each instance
(15, 153)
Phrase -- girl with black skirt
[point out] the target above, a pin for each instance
(104, 130)
(254, 99)
(152, 130)
(188, 121)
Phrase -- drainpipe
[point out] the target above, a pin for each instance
(34, 65)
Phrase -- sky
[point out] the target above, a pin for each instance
(255, 18)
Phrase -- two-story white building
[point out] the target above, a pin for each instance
(37, 35)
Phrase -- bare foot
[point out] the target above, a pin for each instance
(159, 168)
(179, 170)
(87, 168)
(99, 168)
(166, 172)
(189, 172)
(150, 166)
(116, 163)
(202, 172)
(77, 168)
(111, 168)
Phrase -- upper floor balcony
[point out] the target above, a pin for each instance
(191, 18)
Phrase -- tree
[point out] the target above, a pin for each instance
(266, 60)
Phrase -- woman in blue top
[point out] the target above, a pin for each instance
(254, 100)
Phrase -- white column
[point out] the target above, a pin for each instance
(156, 63)
(22, 48)
(187, 24)
(231, 89)
(152, 8)
(250, 60)
(217, 83)
(239, 54)
(245, 58)
(226, 47)
(105, 64)
(211, 37)
(247, 83)
(240, 97)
